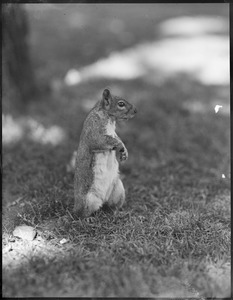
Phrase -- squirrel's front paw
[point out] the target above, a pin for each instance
(123, 154)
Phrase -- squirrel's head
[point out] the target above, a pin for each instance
(117, 107)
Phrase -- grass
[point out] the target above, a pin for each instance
(172, 238)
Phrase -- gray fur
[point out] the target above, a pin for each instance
(93, 138)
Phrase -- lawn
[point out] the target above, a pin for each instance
(172, 238)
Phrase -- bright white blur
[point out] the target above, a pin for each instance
(190, 45)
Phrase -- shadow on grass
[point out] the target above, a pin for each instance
(105, 259)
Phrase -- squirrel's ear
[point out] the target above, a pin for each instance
(106, 98)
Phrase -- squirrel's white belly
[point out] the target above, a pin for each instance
(106, 170)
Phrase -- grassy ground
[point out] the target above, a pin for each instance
(172, 239)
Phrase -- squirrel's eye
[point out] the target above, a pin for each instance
(121, 104)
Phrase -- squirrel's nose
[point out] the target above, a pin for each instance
(135, 110)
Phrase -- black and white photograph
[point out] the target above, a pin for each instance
(116, 166)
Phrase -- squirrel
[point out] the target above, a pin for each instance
(96, 175)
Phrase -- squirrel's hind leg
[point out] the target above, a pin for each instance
(117, 197)
(89, 204)
(93, 203)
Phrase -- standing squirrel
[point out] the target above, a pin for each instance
(96, 179)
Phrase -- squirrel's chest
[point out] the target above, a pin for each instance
(105, 166)
(111, 128)
(105, 173)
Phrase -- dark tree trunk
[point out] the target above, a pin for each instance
(16, 58)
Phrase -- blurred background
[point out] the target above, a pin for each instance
(71, 52)
(52, 50)
(170, 60)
